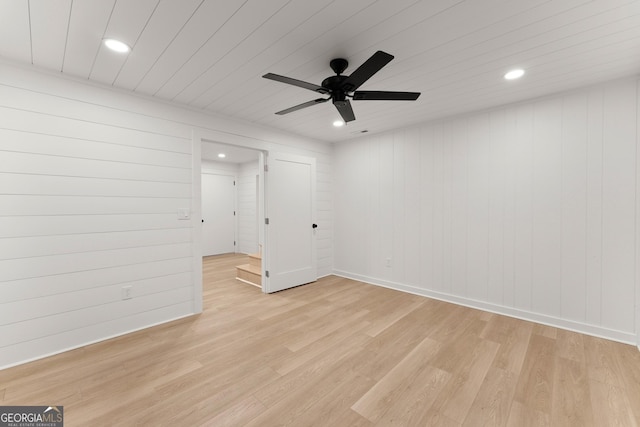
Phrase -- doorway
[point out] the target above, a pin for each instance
(282, 243)
(231, 193)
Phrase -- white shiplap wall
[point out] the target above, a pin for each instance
(527, 210)
(90, 183)
(89, 199)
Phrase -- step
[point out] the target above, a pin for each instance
(249, 274)
(255, 260)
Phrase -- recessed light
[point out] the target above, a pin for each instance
(338, 123)
(117, 45)
(514, 74)
(222, 155)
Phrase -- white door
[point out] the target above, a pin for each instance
(218, 214)
(290, 234)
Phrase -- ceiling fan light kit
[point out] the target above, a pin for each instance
(340, 88)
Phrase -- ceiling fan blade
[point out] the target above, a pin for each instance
(378, 95)
(295, 82)
(303, 105)
(366, 70)
(345, 110)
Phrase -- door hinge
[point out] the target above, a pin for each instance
(234, 183)
(266, 273)
(234, 243)
(234, 213)
(266, 221)
(266, 167)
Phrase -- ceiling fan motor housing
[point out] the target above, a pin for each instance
(334, 83)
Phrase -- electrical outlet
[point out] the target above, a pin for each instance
(127, 292)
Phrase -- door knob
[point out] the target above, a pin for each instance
(314, 226)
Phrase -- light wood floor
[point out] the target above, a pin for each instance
(335, 353)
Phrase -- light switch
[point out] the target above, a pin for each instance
(184, 214)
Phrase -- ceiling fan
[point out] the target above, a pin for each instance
(340, 87)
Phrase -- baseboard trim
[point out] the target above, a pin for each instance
(583, 328)
(98, 340)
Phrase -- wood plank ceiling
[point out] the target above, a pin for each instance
(211, 54)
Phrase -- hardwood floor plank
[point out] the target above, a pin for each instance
(535, 384)
(522, 415)
(238, 414)
(319, 367)
(384, 394)
(340, 338)
(415, 397)
(571, 395)
(458, 396)
(284, 409)
(493, 401)
(571, 346)
(332, 409)
(308, 355)
(611, 406)
(629, 362)
(513, 336)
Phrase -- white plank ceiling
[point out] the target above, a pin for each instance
(211, 54)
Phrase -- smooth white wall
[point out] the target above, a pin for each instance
(90, 183)
(527, 210)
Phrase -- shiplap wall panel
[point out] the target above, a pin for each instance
(509, 185)
(384, 203)
(47, 225)
(19, 311)
(412, 214)
(496, 207)
(324, 212)
(479, 149)
(438, 203)
(34, 143)
(13, 269)
(618, 216)
(92, 315)
(54, 125)
(88, 205)
(459, 177)
(594, 207)
(44, 164)
(36, 246)
(39, 287)
(528, 210)
(547, 206)
(523, 238)
(574, 202)
(400, 208)
(425, 204)
(83, 186)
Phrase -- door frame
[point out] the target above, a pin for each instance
(197, 138)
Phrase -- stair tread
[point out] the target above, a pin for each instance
(250, 268)
(256, 256)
